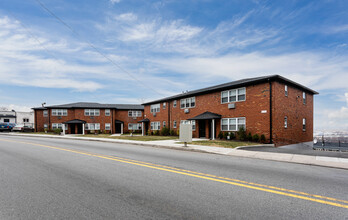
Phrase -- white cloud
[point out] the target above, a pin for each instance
(115, 1)
(17, 108)
(126, 17)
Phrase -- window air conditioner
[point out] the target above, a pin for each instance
(231, 105)
(187, 110)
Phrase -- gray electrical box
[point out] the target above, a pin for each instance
(185, 133)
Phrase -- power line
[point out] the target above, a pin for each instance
(95, 48)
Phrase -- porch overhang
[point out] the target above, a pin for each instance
(144, 120)
(206, 116)
(75, 121)
(118, 122)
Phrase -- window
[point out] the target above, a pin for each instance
(45, 113)
(107, 112)
(134, 113)
(155, 108)
(92, 126)
(232, 124)
(286, 90)
(174, 104)
(107, 126)
(285, 122)
(304, 124)
(174, 124)
(134, 126)
(6, 120)
(164, 123)
(92, 112)
(233, 95)
(164, 105)
(155, 125)
(193, 123)
(59, 112)
(304, 97)
(188, 102)
(60, 126)
(25, 119)
(45, 126)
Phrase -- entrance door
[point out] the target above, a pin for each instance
(72, 128)
(118, 128)
(79, 128)
(201, 125)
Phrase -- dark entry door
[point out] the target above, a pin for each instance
(118, 128)
(72, 128)
(201, 125)
(79, 128)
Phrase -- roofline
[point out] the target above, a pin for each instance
(252, 82)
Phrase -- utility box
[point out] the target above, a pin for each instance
(185, 133)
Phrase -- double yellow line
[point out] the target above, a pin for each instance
(236, 182)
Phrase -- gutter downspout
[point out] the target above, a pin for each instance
(270, 112)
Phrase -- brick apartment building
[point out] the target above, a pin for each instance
(277, 107)
(83, 117)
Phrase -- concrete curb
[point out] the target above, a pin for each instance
(259, 145)
(333, 162)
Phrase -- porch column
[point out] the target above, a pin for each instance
(63, 126)
(121, 128)
(83, 129)
(213, 129)
(142, 128)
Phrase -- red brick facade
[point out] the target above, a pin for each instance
(255, 109)
(77, 113)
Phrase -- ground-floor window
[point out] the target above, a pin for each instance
(174, 124)
(134, 126)
(6, 120)
(156, 125)
(107, 126)
(303, 124)
(232, 124)
(164, 123)
(92, 126)
(193, 123)
(45, 126)
(60, 126)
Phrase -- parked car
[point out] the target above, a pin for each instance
(23, 128)
(6, 126)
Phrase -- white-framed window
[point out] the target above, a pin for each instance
(164, 105)
(92, 126)
(59, 112)
(45, 113)
(156, 125)
(174, 103)
(107, 112)
(164, 123)
(92, 112)
(174, 124)
(134, 126)
(232, 124)
(134, 113)
(233, 95)
(107, 126)
(45, 125)
(193, 123)
(304, 97)
(286, 90)
(285, 122)
(303, 124)
(59, 125)
(155, 108)
(188, 102)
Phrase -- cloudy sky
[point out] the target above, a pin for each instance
(127, 51)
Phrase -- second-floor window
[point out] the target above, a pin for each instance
(107, 112)
(304, 97)
(155, 108)
(188, 102)
(164, 105)
(45, 113)
(174, 103)
(233, 95)
(134, 113)
(92, 112)
(59, 112)
(286, 90)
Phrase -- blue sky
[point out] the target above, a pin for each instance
(171, 46)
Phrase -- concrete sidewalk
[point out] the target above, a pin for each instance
(333, 162)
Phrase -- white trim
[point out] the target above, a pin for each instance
(189, 98)
(95, 111)
(228, 123)
(228, 97)
(107, 110)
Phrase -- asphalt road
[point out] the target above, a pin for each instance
(42, 178)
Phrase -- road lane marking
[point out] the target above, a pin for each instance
(236, 182)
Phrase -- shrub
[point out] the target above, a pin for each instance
(232, 135)
(242, 134)
(256, 138)
(156, 132)
(249, 137)
(165, 131)
(57, 130)
(220, 135)
(263, 138)
(225, 135)
(172, 133)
